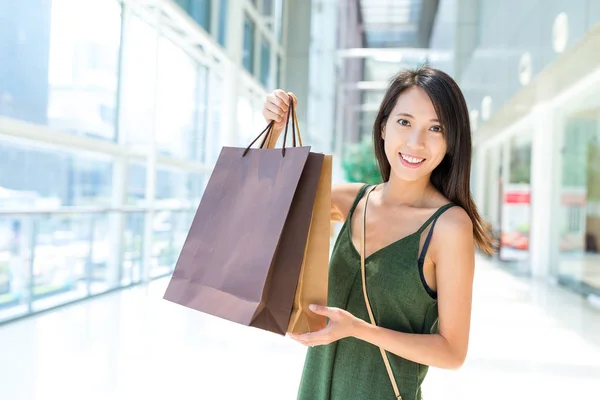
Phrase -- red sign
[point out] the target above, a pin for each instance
(517, 198)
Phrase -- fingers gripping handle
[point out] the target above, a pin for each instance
(268, 131)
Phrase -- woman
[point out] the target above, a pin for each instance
(419, 280)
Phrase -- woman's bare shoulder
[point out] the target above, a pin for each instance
(342, 198)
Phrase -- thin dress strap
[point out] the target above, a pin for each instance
(432, 220)
(360, 195)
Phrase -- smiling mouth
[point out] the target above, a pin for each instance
(412, 160)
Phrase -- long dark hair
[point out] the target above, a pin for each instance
(452, 176)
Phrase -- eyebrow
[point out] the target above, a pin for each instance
(410, 116)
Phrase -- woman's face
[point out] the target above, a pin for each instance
(414, 142)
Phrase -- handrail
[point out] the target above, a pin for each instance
(89, 210)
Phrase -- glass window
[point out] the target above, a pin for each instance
(177, 188)
(68, 179)
(185, 4)
(49, 260)
(579, 212)
(245, 121)
(265, 62)
(60, 66)
(173, 188)
(139, 84)
(75, 256)
(278, 15)
(133, 245)
(516, 203)
(63, 247)
(177, 114)
(222, 34)
(248, 51)
(520, 160)
(84, 48)
(15, 263)
(200, 11)
(136, 184)
(267, 7)
(170, 230)
(198, 145)
(268, 13)
(216, 110)
(279, 78)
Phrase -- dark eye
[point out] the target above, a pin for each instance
(436, 128)
(403, 122)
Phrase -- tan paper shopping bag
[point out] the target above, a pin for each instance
(312, 282)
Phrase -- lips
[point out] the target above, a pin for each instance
(411, 161)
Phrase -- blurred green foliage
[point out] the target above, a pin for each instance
(360, 164)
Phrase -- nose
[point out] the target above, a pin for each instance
(415, 139)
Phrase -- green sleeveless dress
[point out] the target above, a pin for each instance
(351, 369)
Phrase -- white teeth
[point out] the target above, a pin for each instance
(411, 160)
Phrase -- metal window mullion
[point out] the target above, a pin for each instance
(215, 8)
(151, 159)
(121, 167)
(207, 112)
(32, 224)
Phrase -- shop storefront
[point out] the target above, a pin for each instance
(538, 174)
(575, 232)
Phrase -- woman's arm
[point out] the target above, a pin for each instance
(452, 250)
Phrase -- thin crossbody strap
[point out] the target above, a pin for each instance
(386, 361)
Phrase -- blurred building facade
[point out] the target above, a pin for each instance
(112, 113)
(530, 71)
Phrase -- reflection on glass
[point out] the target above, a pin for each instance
(133, 246)
(170, 230)
(248, 50)
(492, 190)
(177, 188)
(198, 139)
(83, 64)
(579, 216)
(216, 108)
(68, 179)
(136, 184)
(138, 84)
(24, 65)
(15, 265)
(176, 112)
(104, 266)
(265, 62)
(62, 257)
(50, 260)
(516, 207)
(59, 65)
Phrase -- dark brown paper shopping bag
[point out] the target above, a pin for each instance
(242, 256)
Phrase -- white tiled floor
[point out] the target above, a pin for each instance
(528, 341)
